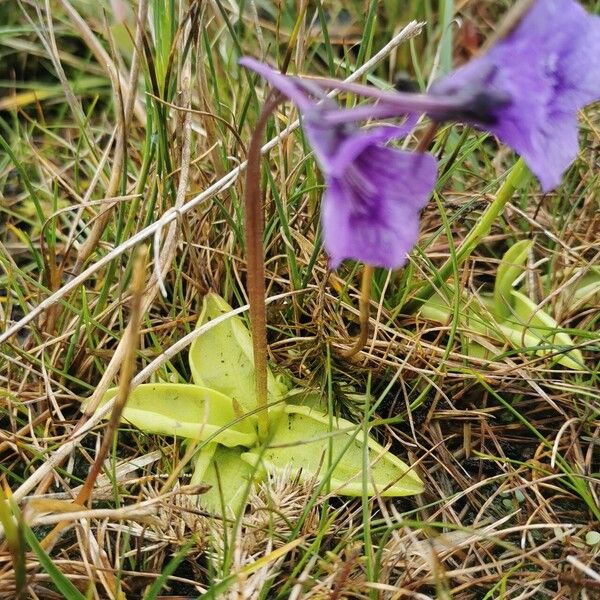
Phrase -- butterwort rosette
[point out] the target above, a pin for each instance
(543, 71)
(374, 193)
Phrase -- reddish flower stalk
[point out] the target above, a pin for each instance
(254, 229)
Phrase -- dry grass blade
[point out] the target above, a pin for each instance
(124, 112)
(131, 338)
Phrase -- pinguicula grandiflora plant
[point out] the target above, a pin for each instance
(219, 413)
(525, 89)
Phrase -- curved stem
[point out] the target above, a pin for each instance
(254, 229)
(364, 303)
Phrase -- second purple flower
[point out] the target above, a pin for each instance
(374, 194)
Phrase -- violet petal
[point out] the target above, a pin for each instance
(549, 67)
(371, 212)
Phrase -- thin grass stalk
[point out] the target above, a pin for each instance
(164, 256)
(516, 178)
(12, 524)
(125, 386)
(124, 111)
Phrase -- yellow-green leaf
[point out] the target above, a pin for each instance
(222, 358)
(509, 269)
(525, 328)
(539, 323)
(227, 474)
(582, 293)
(185, 410)
(304, 442)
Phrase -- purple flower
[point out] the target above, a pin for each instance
(373, 196)
(546, 68)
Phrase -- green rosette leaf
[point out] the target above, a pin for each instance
(222, 358)
(228, 475)
(303, 441)
(511, 266)
(185, 410)
(527, 328)
(535, 321)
